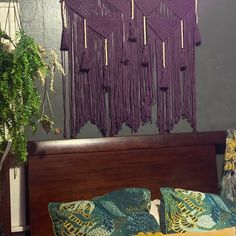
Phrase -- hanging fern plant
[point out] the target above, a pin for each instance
(21, 65)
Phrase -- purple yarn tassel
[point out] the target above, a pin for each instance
(64, 40)
(124, 57)
(84, 65)
(183, 59)
(106, 77)
(164, 80)
(197, 35)
(132, 32)
(145, 57)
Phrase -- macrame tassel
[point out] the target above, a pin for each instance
(164, 80)
(145, 57)
(183, 59)
(106, 77)
(183, 53)
(64, 40)
(124, 57)
(132, 32)
(197, 35)
(132, 28)
(106, 69)
(84, 65)
(164, 77)
(64, 35)
(145, 53)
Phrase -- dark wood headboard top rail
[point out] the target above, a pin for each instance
(125, 143)
(69, 170)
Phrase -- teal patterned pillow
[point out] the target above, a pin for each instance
(190, 211)
(123, 212)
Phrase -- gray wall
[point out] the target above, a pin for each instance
(215, 63)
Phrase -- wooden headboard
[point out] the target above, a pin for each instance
(69, 170)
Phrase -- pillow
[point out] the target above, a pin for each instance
(190, 211)
(222, 232)
(154, 210)
(123, 212)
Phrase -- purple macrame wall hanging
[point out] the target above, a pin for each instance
(124, 56)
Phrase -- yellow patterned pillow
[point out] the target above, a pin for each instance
(222, 232)
(150, 234)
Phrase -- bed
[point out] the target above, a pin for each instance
(68, 170)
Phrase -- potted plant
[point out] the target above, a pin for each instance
(22, 64)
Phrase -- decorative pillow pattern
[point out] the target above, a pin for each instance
(123, 212)
(191, 211)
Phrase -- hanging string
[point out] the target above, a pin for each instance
(85, 34)
(7, 17)
(144, 30)
(106, 52)
(182, 33)
(17, 14)
(49, 105)
(196, 11)
(45, 84)
(132, 9)
(164, 55)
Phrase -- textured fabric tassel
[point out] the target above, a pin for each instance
(124, 58)
(145, 57)
(164, 80)
(106, 77)
(105, 68)
(132, 28)
(64, 40)
(164, 77)
(84, 65)
(64, 35)
(197, 35)
(183, 59)
(183, 53)
(132, 32)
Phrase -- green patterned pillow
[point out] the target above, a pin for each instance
(190, 211)
(123, 212)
